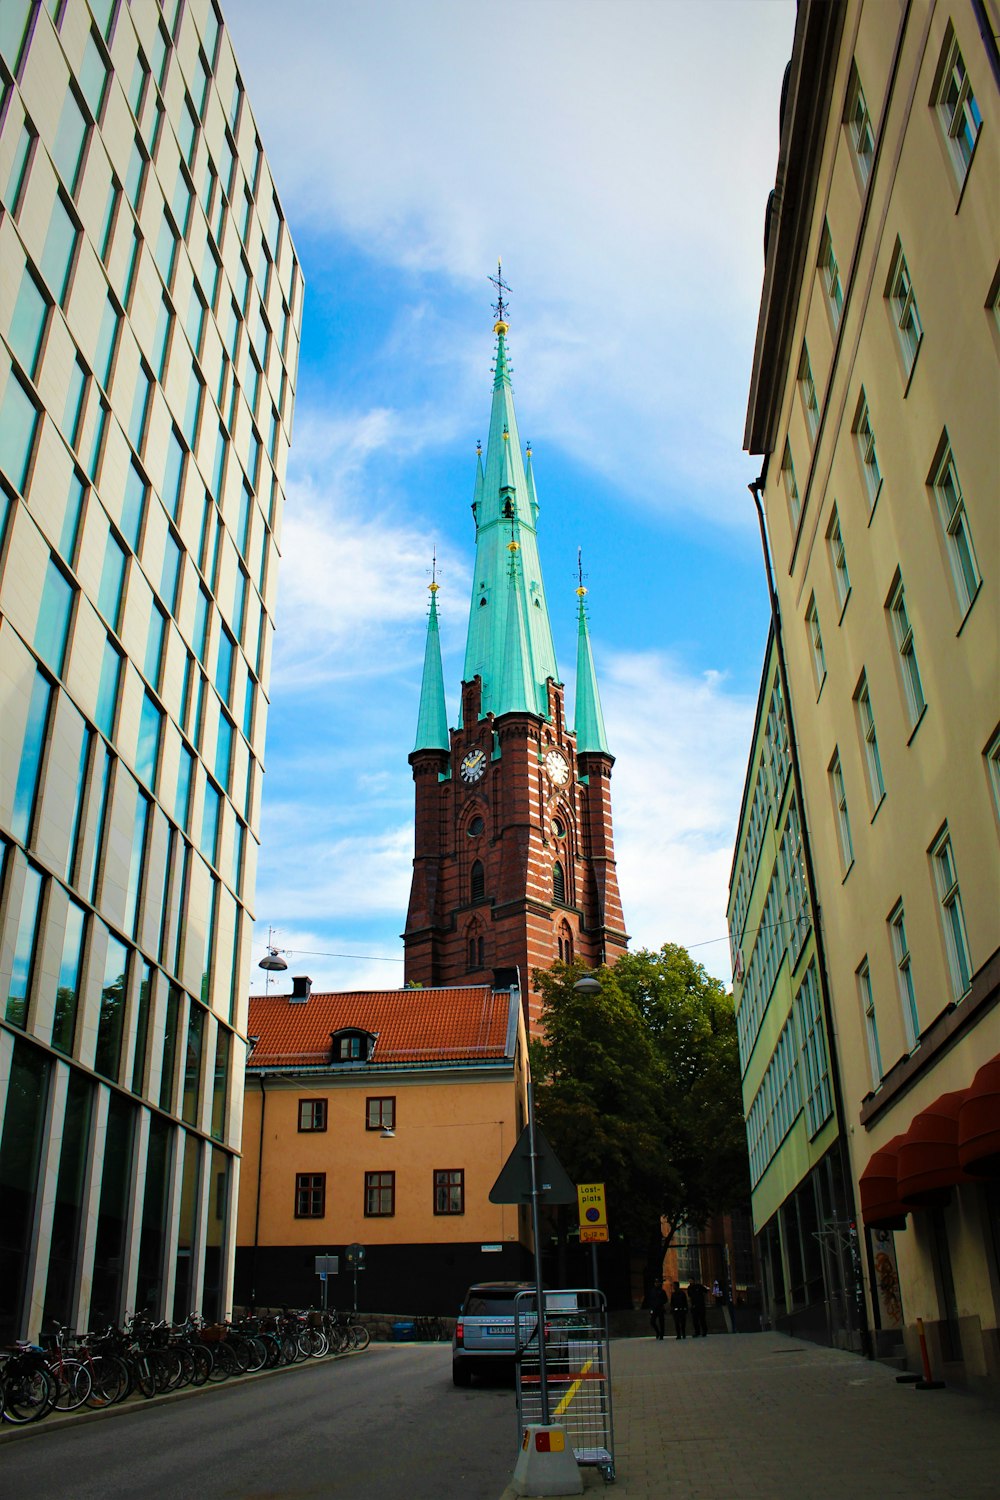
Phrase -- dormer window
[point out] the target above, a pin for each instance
(352, 1045)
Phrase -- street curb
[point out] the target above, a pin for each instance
(14, 1432)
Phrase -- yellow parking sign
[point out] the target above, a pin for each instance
(590, 1201)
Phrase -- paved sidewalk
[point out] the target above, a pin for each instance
(765, 1417)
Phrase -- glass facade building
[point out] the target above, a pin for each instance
(150, 307)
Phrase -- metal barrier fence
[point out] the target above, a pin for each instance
(577, 1370)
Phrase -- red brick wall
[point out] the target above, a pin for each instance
(518, 921)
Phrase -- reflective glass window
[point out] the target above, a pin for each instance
(76, 824)
(90, 867)
(19, 988)
(137, 859)
(142, 1029)
(148, 748)
(111, 1019)
(220, 1082)
(169, 1048)
(166, 249)
(171, 571)
(224, 750)
(72, 515)
(210, 822)
(57, 255)
(68, 983)
(93, 76)
(111, 589)
(107, 690)
(27, 324)
(17, 176)
(54, 610)
(76, 390)
(192, 1065)
(185, 779)
(200, 637)
(133, 506)
(224, 665)
(173, 474)
(164, 318)
(140, 407)
(71, 135)
(30, 766)
(155, 637)
(106, 340)
(136, 173)
(18, 423)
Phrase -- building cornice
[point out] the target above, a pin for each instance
(803, 133)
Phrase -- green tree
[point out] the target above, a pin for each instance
(639, 1087)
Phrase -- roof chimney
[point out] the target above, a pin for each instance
(301, 989)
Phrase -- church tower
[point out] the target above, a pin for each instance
(513, 862)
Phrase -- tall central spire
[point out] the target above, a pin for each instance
(509, 643)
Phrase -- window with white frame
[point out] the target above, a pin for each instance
(958, 113)
(904, 975)
(830, 274)
(954, 520)
(807, 391)
(992, 755)
(838, 559)
(902, 632)
(864, 436)
(859, 128)
(952, 916)
(813, 1048)
(791, 488)
(869, 740)
(841, 815)
(815, 636)
(903, 310)
(867, 997)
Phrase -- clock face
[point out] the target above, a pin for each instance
(557, 767)
(473, 765)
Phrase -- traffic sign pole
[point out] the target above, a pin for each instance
(536, 1231)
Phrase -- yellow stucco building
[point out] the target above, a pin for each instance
(874, 400)
(382, 1119)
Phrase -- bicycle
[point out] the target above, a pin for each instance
(27, 1387)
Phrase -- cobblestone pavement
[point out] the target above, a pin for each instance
(765, 1417)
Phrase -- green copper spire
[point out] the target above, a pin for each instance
(506, 509)
(432, 719)
(589, 720)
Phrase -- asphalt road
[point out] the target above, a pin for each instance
(383, 1424)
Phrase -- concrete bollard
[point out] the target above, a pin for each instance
(545, 1464)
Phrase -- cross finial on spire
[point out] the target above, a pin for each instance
(500, 306)
(434, 585)
(579, 573)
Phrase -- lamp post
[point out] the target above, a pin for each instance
(589, 985)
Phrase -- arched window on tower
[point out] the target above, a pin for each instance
(477, 882)
(558, 884)
(472, 953)
(481, 951)
(566, 943)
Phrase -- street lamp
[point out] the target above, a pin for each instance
(588, 985)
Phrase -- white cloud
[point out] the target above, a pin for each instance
(618, 156)
(681, 745)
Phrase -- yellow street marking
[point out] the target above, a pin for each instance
(572, 1390)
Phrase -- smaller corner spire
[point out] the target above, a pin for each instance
(588, 717)
(432, 716)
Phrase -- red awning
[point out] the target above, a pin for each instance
(927, 1163)
(880, 1205)
(979, 1122)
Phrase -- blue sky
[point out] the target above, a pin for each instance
(618, 155)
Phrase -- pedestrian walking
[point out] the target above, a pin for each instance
(657, 1308)
(696, 1294)
(679, 1309)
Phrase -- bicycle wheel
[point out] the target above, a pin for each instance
(256, 1351)
(201, 1357)
(360, 1337)
(73, 1384)
(27, 1394)
(319, 1344)
(145, 1375)
(108, 1380)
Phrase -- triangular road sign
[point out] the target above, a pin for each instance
(514, 1183)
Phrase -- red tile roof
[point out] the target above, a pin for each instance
(468, 1024)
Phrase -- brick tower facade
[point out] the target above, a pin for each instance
(513, 862)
